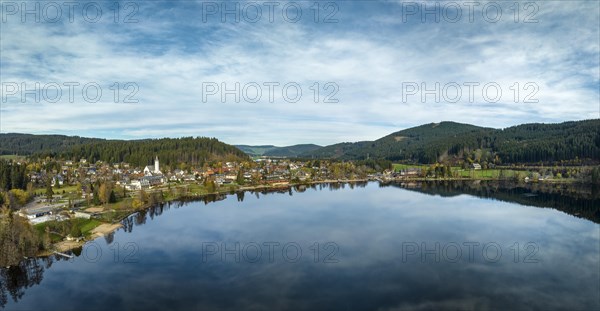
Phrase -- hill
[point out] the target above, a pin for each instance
(171, 151)
(28, 144)
(450, 140)
(274, 151)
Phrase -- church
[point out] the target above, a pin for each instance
(153, 171)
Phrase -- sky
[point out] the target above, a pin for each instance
(283, 73)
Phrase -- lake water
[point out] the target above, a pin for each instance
(364, 247)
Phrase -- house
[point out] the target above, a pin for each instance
(35, 177)
(32, 213)
(153, 180)
(58, 180)
(179, 173)
(476, 166)
(208, 173)
(411, 171)
(230, 177)
(189, 177)
(138, 184)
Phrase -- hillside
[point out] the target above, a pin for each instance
(27, 144)
(274, 151)
(447, 140)
(171, 151)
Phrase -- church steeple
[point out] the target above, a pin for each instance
(156, 165)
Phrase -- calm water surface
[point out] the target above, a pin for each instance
(362, 248)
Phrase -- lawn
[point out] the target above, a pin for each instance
(467, 173)
(489, 173)
(86, 225)
(398, 167)
(12, 157)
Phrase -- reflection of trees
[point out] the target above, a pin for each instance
(14, 280)
(578, 200)
(109, 238)
(140, 217)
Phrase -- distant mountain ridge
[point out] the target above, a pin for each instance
(428, 143)
(274, 151)
(433, 142)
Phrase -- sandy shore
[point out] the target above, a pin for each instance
(64, 246)
(105, 229)
(95, 209)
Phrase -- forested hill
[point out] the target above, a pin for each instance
(450, 140)
(28, 144)
(171, 151)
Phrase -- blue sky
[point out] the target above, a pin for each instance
(372, 54)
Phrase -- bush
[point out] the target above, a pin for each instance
(20, 196)
(75, 231)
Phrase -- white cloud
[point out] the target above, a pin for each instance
(170, 52)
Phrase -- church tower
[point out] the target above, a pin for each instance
(156, 167)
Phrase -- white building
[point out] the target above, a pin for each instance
(153, 171)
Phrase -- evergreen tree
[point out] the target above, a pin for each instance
(240, 177)
(49, 191)
(112, 198)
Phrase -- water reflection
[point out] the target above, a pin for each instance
(373, 226)
(574, 199)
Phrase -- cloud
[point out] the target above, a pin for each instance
(368, 54)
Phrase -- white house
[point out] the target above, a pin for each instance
(138, 184)
(476, 166)
(58, 180)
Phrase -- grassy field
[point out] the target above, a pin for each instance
(467, 173)
(85, 225)
(12, 157)
(398, 167)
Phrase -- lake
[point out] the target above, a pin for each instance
(336, 247)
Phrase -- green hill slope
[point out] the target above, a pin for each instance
(439, 141)
(137, 152)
